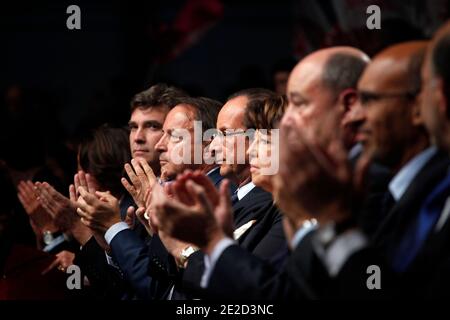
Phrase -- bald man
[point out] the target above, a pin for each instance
(423, 248)
(325, 81)
(322, 83)
(396, 137)
(265, 238)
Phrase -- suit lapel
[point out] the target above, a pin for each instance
(408, 205)
(245, 208)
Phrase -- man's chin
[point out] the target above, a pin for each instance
(225, 170)
(139, 156)
(387, 159)
(168, 174)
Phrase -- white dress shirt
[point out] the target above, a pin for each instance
(244, 190)
(403, 179)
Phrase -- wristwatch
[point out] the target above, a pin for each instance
(48, 236)
(185, 254)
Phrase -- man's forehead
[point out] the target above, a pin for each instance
(140, 114)
(232, 113)
(304, 76)
(179, 117)
(375, 76)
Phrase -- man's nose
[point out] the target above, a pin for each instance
(287, 116)
(139, 136)
(252, 149)
(161, 145)
(358, 112)
(216, 144)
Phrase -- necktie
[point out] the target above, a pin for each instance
(387, 203)
(234, 198)
(416, 234)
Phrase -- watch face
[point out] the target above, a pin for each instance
(48, 237)
(187, 252)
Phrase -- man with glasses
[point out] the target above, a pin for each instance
(229, 148)
(396, 137)
(422, 252)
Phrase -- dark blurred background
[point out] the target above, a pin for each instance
(56, 83)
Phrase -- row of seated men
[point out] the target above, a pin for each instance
(337, 190)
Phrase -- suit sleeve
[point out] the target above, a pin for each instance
(240, 275)
(105, 281)
(146, 274)
(273, 242)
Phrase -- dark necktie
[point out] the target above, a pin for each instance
(417, 232)
(387, 203)
(234, 198)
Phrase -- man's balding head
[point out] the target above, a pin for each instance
(397, 67)
(323, 81)
(388, 92)
(231, 151)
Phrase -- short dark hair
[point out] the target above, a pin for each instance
(440, 64)
(158, 95)
(103, 155)
(253, 94)
(342, 71)
(265, 114)
(206, 110)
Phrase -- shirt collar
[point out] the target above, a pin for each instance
(355, 151)
(335, 250)
(242, 191)
(406, 175)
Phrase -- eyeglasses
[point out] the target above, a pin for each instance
(366, 97)
(231, 133)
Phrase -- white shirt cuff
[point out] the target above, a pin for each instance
(55, 242)
(210, 261)
(114, 230)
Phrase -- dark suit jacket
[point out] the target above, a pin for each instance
(370, 214)
(148, 267)
(264, 239)
(429, 273)
(106, 282)
(414, 281)
(407, 208)
(238, 275)
(428, 276)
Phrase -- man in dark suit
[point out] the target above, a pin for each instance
(258, 228)
(422, 251)
(399, 142)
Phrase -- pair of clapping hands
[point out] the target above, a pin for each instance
(187, 211)
(50, 211)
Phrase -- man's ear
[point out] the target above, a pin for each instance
(347, 99)
(440, 97)
(416, 115)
